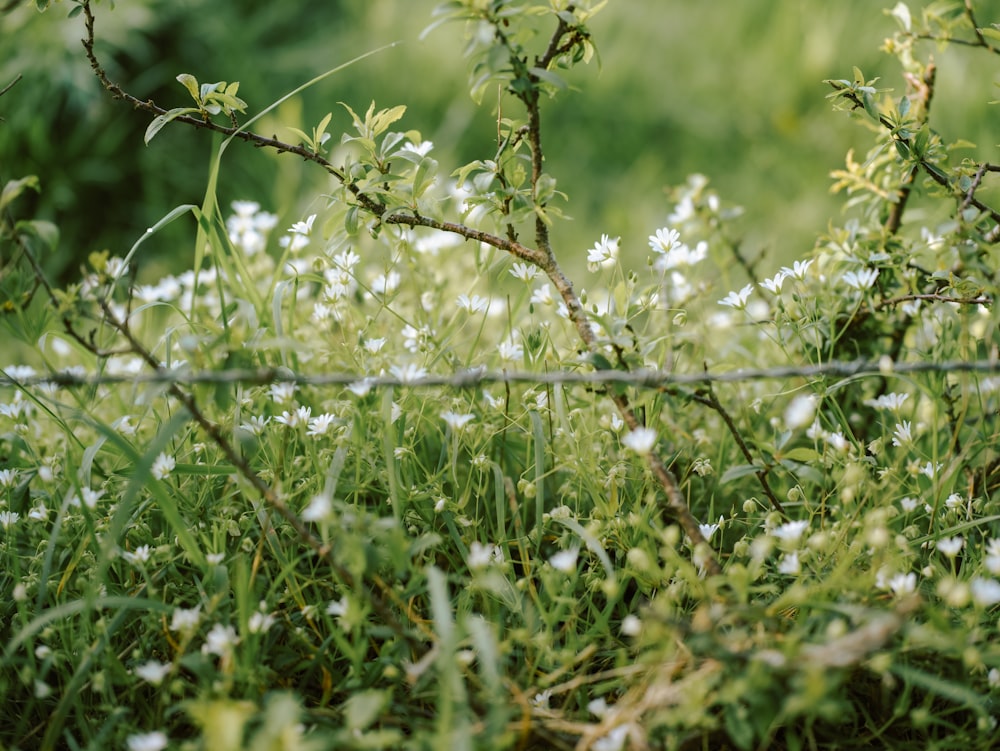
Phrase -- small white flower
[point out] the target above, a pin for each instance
(259, 623)
(337, 608)
(738, 300)
(891, 401)
(789, 564)
(8, 519)
(985, 592)
(950, 546)
(89, 497)
(524, 271)
(255, 425)
(360, 388)
(220, 640)
(798, 270)
(773, 285)
(481, 555)
(474, 304)
(993, 678)
(319, 508)
(384, 284)
(155, 741)
(631, 625)
(641, 440)
(303, 228)
(565, 560)
(954, 501)
(455, 420)
(860, 280)
(320, 424)
(423, 148)
(791, 531)
(510, 350)
(282, 392)
(664, 240)
(903, 584)
(408, 373)
(185, 620)
(153, 671)
(7, 478)
(908, 504)
(902, 436)
(138, 556)
(541, 699)
(542, 295)
(707, 530)
(603, 253)
(800, 411)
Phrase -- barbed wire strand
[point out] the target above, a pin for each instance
(475, 377)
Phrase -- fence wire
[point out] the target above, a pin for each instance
(476, 377)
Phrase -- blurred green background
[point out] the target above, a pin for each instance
(731, 89)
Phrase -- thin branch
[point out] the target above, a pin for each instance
(713, 402)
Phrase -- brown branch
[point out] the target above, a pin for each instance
(713, 402)
(925, 90)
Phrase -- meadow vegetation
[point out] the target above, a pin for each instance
(405, 471)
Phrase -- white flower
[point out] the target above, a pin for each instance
(155, 741)
(542, 295)
(902, 435)
(908, 504)
(423, 148)
(950, 546)
(7, 478)
(738, 300)
(791, 531)
(384, 284)
(603, 253)
(163, 466)
(220, 640)
(773, 285)
(985, 592)
(707, 530)
(903, 584)
(8, 519)
(259, 622)
(319, 508)
(613, 741)
(524, 271)
(320, 424)
(481, 555)
(455, 420)
(510, 350)
(282, 392)
(153, 671)
(789, 564)
(185, 620)
(664, 240)
(800, 411)
(139, 555)
(888, 401)
(255, 425)
(303, 228)
(89, 497)
(337, 607)
(565, 560)
(474, 304)
(408, 373)
(631, 625)
(360, 388)
(860, 280)
(640, 440)
(799, 269)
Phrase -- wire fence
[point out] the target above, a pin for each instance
(475, 377)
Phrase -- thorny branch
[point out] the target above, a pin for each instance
(543, 256)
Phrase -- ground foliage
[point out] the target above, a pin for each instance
(652, 557)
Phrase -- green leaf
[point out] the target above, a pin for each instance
(385, 118)
(363, 707)
(13, 188)
(160, 120)
(191, 84)
(740, 470)
(801, 454)
(46, 232)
